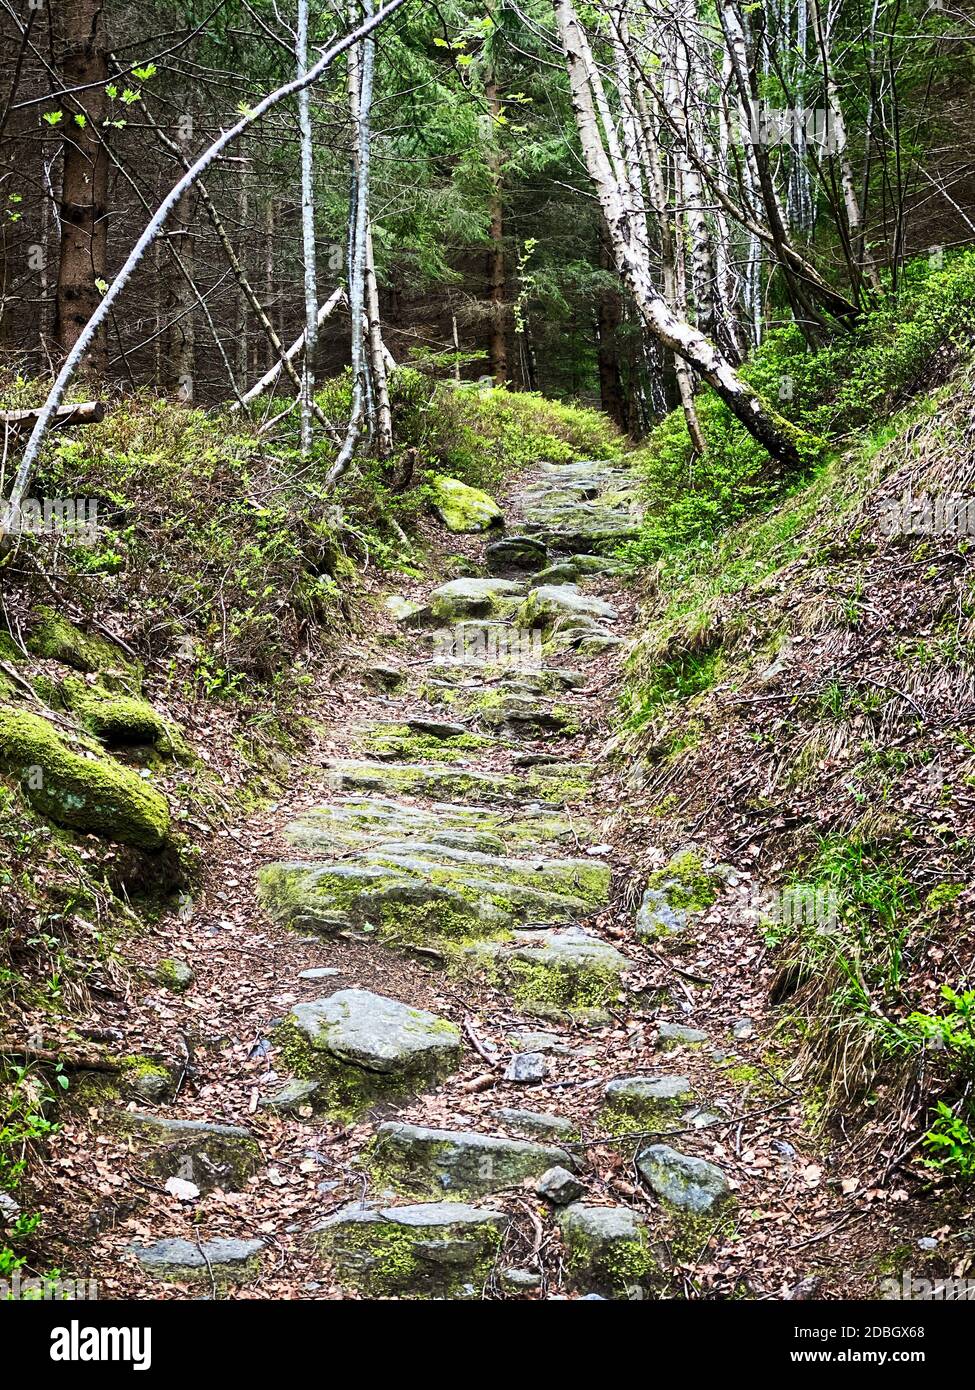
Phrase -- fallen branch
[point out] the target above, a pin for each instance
(84, 413)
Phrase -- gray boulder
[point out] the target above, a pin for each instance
(461, 1162)
(690, 1184)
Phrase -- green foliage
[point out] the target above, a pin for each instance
(950, 1038)
(904, 345)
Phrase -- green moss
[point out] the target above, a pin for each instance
(9, 651)
(686, 883)
(462, 508)
(562, 987)
(346, 1092)
(174, 975)
(117, 720)
(401, 742)
(58, 639)
(383, 1260)
(93, 795)
(616, 1266)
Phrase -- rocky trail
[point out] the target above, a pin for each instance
(440, 1036)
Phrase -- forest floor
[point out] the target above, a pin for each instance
(517, 808)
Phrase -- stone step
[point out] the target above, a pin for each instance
(565, 605)
(440, 781)
(682, 1181)
(463, 1163)
(646, 1100)
(363, 1048)
(474, 598)
(208, 1155)
(184, 1261)
(429, 1250)
(608, 1250)
(567, 969)
(359, 822)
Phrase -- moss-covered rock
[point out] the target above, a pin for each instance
(224, 1261)
(58, 639)
(457, 1163)
(608, 1250)
(363, 1048)
(174, 975)
(462, 508)
(118, 720)
(644, 1100)
(682, 1181)
(431, 1250)
(210, 1156)
(91, 794)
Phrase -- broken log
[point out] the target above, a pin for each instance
(82, 413)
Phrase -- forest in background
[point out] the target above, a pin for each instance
(786, 162)
(277, 281)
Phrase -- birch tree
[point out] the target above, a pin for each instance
(154, 228)
(783, 442)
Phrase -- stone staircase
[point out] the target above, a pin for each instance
(449, 831)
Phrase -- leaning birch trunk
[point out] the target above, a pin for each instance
(307, 235)
(667, 222)
(361, 76)
(782, 440)
(377, 356)
(287, 358)
(157, 222)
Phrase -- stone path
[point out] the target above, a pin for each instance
(453, 835)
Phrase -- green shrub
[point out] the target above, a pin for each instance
(907, 343)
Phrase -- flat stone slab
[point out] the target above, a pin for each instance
(463, 1163)
(229, 1261)
(474, 598)
(208, 1155)
(688, 1183)
(412, 890)
(355, 822)
(363, 1047)
(522, 553)
(536, 1124)
(565, 605)
(651, 1098)
(430, 1250)
(443, 782)
(670, 1035)
(569, 967)
(607, 1249)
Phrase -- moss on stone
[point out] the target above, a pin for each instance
(117, 720)
(58, 639)
(90, 794)
(562, 986)
(383, 1259)
(346, 1092)
(686, 883)
(462, 508)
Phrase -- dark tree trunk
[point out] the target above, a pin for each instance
(609, 315)
(84, 191)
